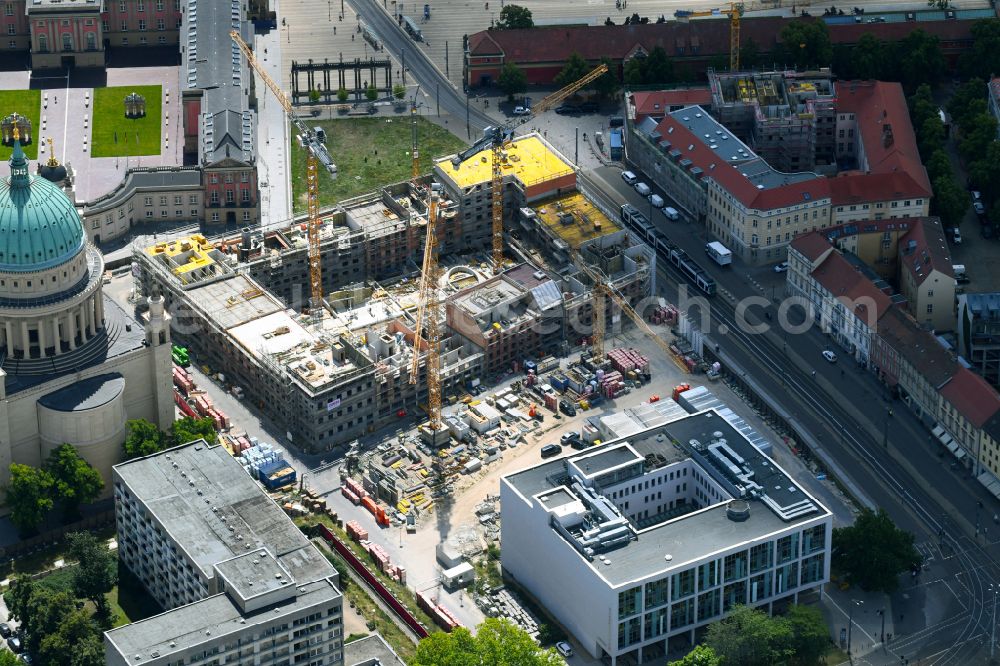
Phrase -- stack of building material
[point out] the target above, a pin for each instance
(627, 360)
(664, 314)
(442, 617)
(382, 560)
(182, 380)
(611, 384)
(355, 488)
(346, 492)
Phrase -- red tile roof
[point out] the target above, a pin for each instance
(812, 245)
(658, 102)
(927, 252)
(889, 143)
(972, 396)
(845, 282)
(855, 187)
(917, 347)
(729, 176)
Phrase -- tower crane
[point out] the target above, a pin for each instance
(602, 290)
(497, 138)
(428, 327)
(735, 12)
(316, 153)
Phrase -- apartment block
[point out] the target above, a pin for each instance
(636, 546)
(238, 581)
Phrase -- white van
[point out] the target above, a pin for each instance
(719, 252)
(671, 213)
(656, 200)
(643, 189)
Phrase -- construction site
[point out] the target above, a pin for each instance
(788, 117)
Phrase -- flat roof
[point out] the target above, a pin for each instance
(371, 651)
(530, 160)
(694, 535)
(233, 301)
(573, 219)
(164, 637)
(215, 511)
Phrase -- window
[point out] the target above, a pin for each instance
(245, 196)
(178, 199)
(11, 29)
(930, 308)
(8, 9)
(12, 44)
(67, 42)
(735, 566)
(43, 44)
(193, 199)
(813, 539)
(246, 216)
(159, 5)
(629, 602)
(142, 25)
(244, 176)
(230, 198)
(91, 41)
(163, 201)
(148, 201)
(149, 213)
(229, 177)
(214, 178)
(161, 40)
(121, 7)
(104, 26)
(656, 593)
(215, 217)
(682, 584)
(160, 25)
(124, 27)
(178, 213)
(930, 293)
(215, 197)
(194, 212)
(163, 213)
(140, 6)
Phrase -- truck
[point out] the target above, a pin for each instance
(719, 253)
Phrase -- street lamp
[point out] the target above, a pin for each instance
(994, 587)
(850, 621)
(885, 429)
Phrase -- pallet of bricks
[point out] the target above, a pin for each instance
(664, 314)
(383, 562)
(440, 614)
(628, 360)
(353, 491)
(356, 531)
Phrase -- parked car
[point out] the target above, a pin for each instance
(588, 107)
(14, 643)
(565, 439)
(521, 111)
(979, 207)
(630, 177)
(551, 450)
(643, 189)
(956, 236)
(656, 200)
(671, 213)
(829, 356)
(5, 630)
(781, 268)
(976, 195)
(564, 649)
(566, 109)
(567, 408)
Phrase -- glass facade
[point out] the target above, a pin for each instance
(656, 593)
(682, 584)
(629, 602)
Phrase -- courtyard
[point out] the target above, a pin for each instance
(115, 135)
(27, 103)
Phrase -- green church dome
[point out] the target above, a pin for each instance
(39, 226)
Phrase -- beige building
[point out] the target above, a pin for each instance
(75, 366)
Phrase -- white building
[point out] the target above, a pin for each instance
(241, 584)
(74, 366)
(636, 546)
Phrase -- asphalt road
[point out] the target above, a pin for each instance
(419, 67)
(844, 411)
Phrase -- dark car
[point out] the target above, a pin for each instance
(5, 630)
(589, 107)
(551, 450)
(567, 408)
(566, 109)
(14, 643)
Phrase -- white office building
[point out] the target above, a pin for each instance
(637, 545)
(241, 584)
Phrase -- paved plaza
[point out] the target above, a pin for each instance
(67, 114)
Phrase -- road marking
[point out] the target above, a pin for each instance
(954, 594)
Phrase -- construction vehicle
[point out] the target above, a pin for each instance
(735, 13)
(603, 288)
(497, 138)
(316, 153)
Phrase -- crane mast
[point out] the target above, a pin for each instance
(316, 153)
(428, 328)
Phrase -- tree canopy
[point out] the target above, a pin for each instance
(498, 642)
(701, 655)
(873, 552)
(97, 571)
(513, 17)
(75, 481)
(512, 79)
(574, 70)
(189, 429)
(29, 496)
(143, 438)
(750, 637)
(607, 83)
(983, 58)
(806, 44)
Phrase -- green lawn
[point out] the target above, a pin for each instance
(369, 152)
(108, 120)
(129, 600)
(29, 104)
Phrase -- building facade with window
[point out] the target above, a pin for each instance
(239, 582)
(637, 545)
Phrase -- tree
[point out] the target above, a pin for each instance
(8, 658)
(868, 58)
(939, 4)
(143, 439)
(920, 59)
(576, 68)
(749, 637)
(635, 71)
(659, 69)
(983, 58)
(930, 137)
(607, 83)
(29, 496)
(42, 614)
(371, 93)
(512, 80)
(96, 574)
(342, 95)
(701, 655)
(399, 91)
(810, 636)
(938, 165)
(514, 17)
(978, 132)
(314, 95)
(950, 203)
(76, 482)
(77, 642)
(962, 100)
(189, 429)
(498, 642)
(985, 173)
(873, 551)
(806, 44)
